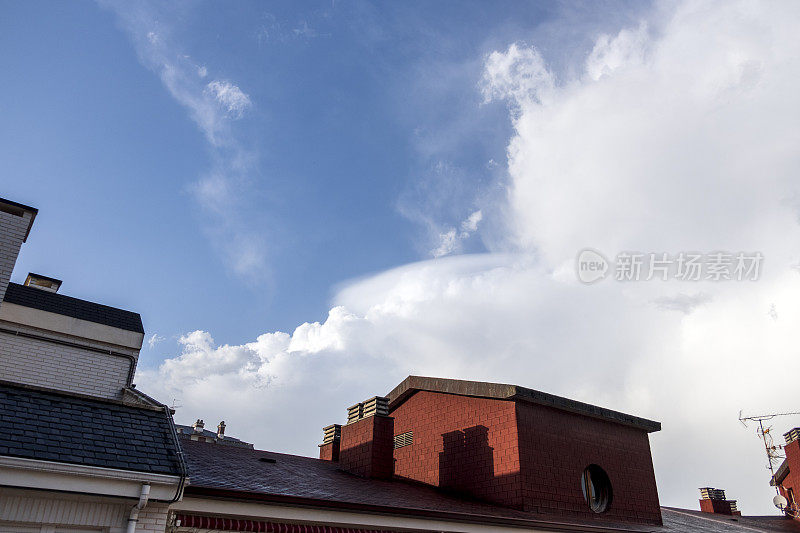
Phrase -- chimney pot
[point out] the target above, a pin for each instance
(221, 430)
(44, 283)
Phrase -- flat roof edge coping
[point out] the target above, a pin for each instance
(18, 209)
(502, 391)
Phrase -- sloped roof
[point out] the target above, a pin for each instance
(73, 307)
(187, 432)
(501, 391)
(257, 475)
(54, 426)
(687, 521)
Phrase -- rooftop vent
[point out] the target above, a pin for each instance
(355, 413)
(43, 282)
(375, 406)
(331, 433)
(710, 493)
(792, 435)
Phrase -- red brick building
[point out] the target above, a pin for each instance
(441, 455)
(787, 478)
(507, 445)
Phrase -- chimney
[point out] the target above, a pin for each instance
(331, 442)
(367, 442)
(43, 282)
(792, 435)
(15, 225)
(713, 501)
(221, 430)
(198, 426)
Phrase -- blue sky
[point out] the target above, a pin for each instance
(330, 196)
(92, 138)
(366, 129)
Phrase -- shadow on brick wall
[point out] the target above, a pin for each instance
(466, 463)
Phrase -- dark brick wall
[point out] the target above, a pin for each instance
(366, 447)
(463, 443)
(717, 507)
(792, 479)
(556, 447)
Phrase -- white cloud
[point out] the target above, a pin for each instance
(470, 225)
(154, 339)
(519, 74)
(685, 303)
(450, 240)
(679, 138)
(611, 53)
(230, 97)
(222, 192)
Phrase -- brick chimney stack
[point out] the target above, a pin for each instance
(367, 442)
(331, 443)
(713, 501)
(198, 426)
(221, 430)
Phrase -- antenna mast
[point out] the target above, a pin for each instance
(773, 455)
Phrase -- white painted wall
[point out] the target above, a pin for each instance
(12, 233)
(55, 366)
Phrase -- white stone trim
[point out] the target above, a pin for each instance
(67, 325)
(51, 475)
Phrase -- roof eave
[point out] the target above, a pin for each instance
(542, 525)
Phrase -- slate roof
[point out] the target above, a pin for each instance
(187, 432)
(53, 426)
(73, 307)
(501, 391)
(241, 473)
(257, 475)
(686, 521)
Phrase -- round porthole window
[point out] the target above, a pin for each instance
(596, 488)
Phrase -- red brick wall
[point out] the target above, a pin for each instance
(463, 443)
(556, 447)
(329, 451)
(792, 480)
(366, 447)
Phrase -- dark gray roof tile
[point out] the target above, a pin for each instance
(59, 427)
(73, 307)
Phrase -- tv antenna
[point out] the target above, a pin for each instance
(773, 451)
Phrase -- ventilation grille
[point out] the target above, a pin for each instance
(710, 493)
(375, 406)
(404, 439)
(355, 413)
(792, 435)
(733, 505)
(332, 433)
